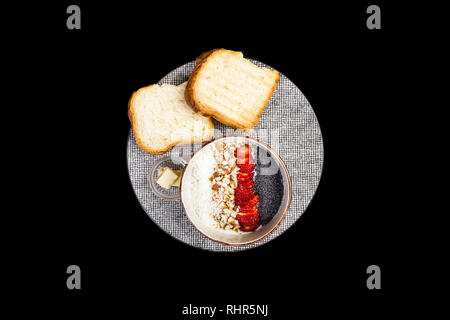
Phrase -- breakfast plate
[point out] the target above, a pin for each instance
(288, 131)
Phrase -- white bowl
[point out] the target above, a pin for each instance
(228, 237)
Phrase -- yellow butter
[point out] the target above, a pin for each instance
(167, 178)
(177, 182)
(161, 171)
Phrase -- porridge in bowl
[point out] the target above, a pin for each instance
(225, 195)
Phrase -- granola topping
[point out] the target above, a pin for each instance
(224, 181)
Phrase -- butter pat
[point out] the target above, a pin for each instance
(166, 178)
(177, 182)
(160, 171)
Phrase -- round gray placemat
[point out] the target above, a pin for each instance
(288, 125)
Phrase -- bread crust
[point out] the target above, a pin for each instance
(140, 142)
(195, 104)
(203, 56)
(189, 91)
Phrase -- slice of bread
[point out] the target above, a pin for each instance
(161, 119)
(230, 88)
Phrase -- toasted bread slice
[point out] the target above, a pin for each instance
(161, 119)
(230, 88)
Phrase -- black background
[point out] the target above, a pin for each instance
(89, 216)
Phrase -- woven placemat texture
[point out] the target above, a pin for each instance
(288, 125)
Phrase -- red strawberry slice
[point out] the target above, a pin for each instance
(248, 219)
(248, 212)
(244, 176)
(243, 183)
(250, 208)
(247, 200)
(244, 161)
(243, 155)
(241, 199)
(245, 204)
(253, 201)
(242, 203)
(242, 151)
(246, 168)
(248, 228)
(251, 195)
(246, 185)
(242, 189)
(248, 159)
(239, 191)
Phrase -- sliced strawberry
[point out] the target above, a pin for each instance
(243, 183)
(248, 212)
(244, 161)
(248, 187)
(243, 155)
(248, 219)
(248, 228)
(244, 193)
(250, 208)
(243, 202)
(252, 201)
(250, 191)
(247, 168)
(243, 198)
(246, 184)
(251, 220)
(243, 176)
(254, 212)
(242, 151)
(245, 189)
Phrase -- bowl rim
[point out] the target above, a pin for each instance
(289, 188)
